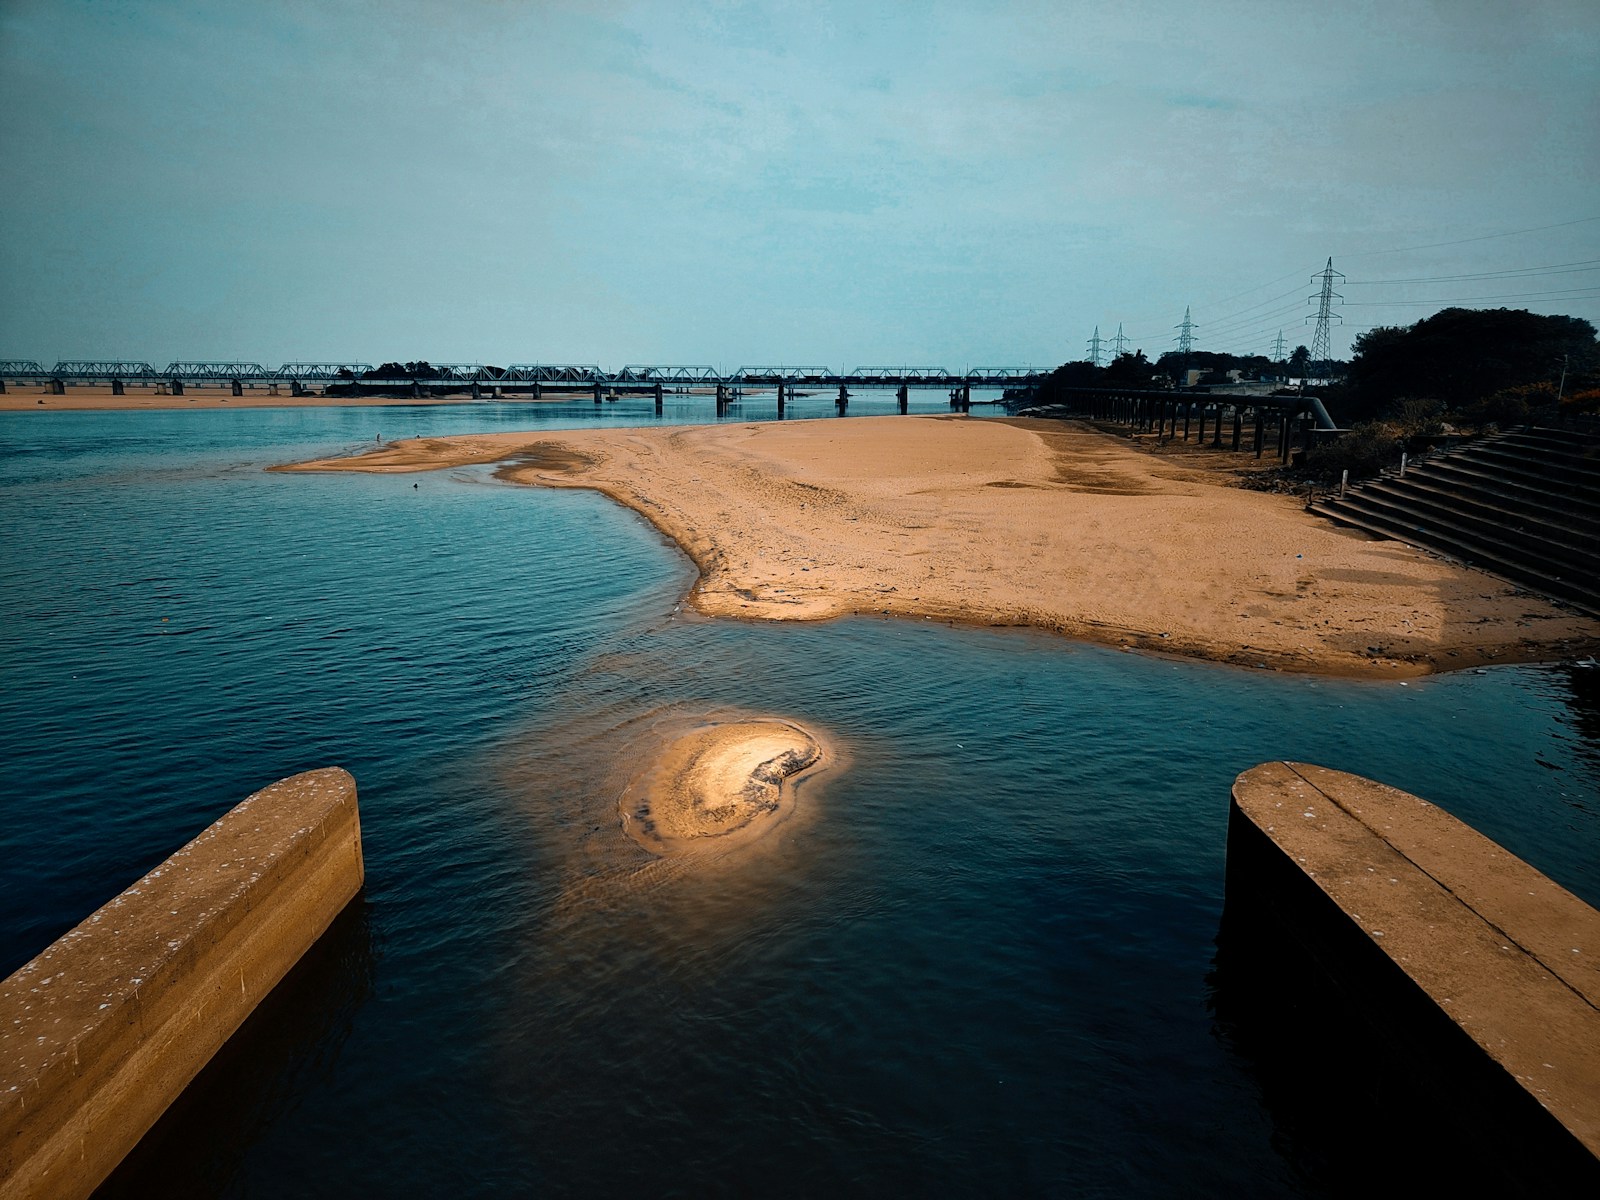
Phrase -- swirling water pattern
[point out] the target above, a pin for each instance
(976, 961)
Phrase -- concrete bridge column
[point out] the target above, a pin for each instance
(58, 387)
(477, 392)
(658, 398)
(536, 392)
(722, 400)
(1238, 426)
(117, 389)
(296, 388)
(1202, 438)
(1188, 411)
(904, 396)
(599, 390)
(416, 390)
(843, 401)
(1216, 431)
(236, 387)
(1258, 431)
(2, 387)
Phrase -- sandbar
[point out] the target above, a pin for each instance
(1035, 523)
(726, 781)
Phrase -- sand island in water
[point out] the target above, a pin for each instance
(719, 785)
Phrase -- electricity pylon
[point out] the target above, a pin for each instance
(1277, 348)
(1119, 344)
(1321, 344)
(1186, 333)
(1094, 347)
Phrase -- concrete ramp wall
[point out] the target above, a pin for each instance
(103, 1030)
(1468, 971)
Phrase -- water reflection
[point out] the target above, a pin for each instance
(288, 1047)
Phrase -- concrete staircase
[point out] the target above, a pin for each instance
(1524, 505)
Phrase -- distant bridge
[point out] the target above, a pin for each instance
(519, 378)
(516, 377)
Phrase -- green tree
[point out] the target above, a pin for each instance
(1463, 356)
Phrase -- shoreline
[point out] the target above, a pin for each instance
(1023, 523)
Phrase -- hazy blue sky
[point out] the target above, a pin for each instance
(808, 183)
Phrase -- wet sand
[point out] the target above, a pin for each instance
(723, 784)
(1030, 523)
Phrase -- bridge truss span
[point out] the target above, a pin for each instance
(309, 372)
(216, 372)
(771, 376)
(83, 370)
(666, 373)
(554, 373)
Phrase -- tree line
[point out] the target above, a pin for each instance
(1472, 366)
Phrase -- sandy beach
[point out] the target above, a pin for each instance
(1025, 523)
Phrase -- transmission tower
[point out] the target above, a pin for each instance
(1185, 339)
(1186, 333)
(1094, 347)
(1119, 344)
(1321, 344)
(1277, 348)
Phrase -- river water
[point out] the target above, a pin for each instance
(977, 961)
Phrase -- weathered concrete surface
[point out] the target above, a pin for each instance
(1443, 930)
(103, 1030)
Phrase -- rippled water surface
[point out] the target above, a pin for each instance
(977, 960)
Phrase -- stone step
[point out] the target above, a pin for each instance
(1475, 542)
(1554, 530)
(1578, 594)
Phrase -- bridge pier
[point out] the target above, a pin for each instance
(1202, 438)
(843, 402)
(537, 392)
(599, 392)
(2, 387)
(659, 398)
(722, 400)
(296, 388)
(477, 392)
(1258, 432)
(1238, 427)
(782, 398)
(117, 389)
(236, 387)
(1216, 431)
(416, 390)
(58, 387)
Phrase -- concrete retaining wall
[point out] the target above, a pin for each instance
(1470, 974)
(103, 1030)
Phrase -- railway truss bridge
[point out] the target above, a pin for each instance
(519, 379)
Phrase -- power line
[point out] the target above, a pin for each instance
(1559, 294)
(1572, 268)
(1488, 237)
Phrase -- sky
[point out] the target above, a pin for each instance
(807, 183)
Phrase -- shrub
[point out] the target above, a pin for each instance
(1364, 451)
